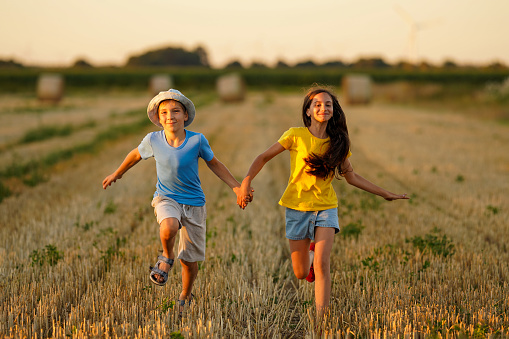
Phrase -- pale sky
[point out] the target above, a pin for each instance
(58, 32)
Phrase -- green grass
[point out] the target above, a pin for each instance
(34, 171)
(48, 255)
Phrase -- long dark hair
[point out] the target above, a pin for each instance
(331, 161)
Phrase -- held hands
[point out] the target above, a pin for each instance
(244, 194)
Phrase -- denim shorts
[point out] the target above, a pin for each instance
(301, 224)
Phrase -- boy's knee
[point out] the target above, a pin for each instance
(169, 227)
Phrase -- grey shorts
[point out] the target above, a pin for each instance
(192, 224)
(301, 224)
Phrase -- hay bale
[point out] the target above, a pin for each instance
(357, 89)
(50, 87)
(231, 88)
(159, 83)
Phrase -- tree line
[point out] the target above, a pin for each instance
(198, 57)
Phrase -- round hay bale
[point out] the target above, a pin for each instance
(357, 89)
(231, 87)
(50, 87)
(159, 83)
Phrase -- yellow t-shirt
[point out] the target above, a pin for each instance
(306, 192)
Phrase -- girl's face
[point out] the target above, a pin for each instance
(172, 115)
(321, 109)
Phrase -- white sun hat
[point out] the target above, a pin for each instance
(171, 94)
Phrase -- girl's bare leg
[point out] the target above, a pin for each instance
(299, 250)
(324, 239)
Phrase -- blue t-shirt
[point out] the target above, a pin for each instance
(177, 167)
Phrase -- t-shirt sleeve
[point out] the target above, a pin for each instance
(145, 147)
(287, 139)
(205, 150)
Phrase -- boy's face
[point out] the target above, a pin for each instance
(172, 115)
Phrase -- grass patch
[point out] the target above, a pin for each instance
(48, 255)
(4, 192)
(48, 132)
(433, 242)
(31, 172)
(352, 230)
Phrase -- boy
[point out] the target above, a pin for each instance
(179, 201)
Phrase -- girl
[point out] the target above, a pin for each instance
(319, 152)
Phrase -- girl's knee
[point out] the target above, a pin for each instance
(321, 266)
(300, 272)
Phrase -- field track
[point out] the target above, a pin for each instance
(434, 265)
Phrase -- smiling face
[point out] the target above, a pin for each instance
(321, 109)
(172, 115)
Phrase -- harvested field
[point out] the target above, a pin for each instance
(74, 258)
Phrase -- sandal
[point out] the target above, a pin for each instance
(156, 270)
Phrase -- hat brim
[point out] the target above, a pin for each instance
(153, 106)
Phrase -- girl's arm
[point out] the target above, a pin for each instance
(130, 160)
(356, 180)
(255, 168)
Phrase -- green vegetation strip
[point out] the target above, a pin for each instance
(32, 169)
(23, 80)
(48, 132)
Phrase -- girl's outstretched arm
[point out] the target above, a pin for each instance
(130, 160)
(356, 180)
(255, 168)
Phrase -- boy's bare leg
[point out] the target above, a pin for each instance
(189, 273)
(167, 232)
(324, 239)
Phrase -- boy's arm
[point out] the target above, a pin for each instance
(130, 160)
(222, 172)
(356, 180)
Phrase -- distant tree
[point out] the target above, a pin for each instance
(282, 64)
(171, 56)
(202, 53)
(258, 64)
(405, 65)
(308, 63)
(425, 66)
(449, 64)
(335, 63)
(82, 63)
(10, 64)
(496, 66)
(371, 63)
(234, 65)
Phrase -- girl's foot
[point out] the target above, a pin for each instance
(311, 275)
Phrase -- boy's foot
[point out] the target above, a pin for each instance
(182, 304)
(159, 273)
(311, 275)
